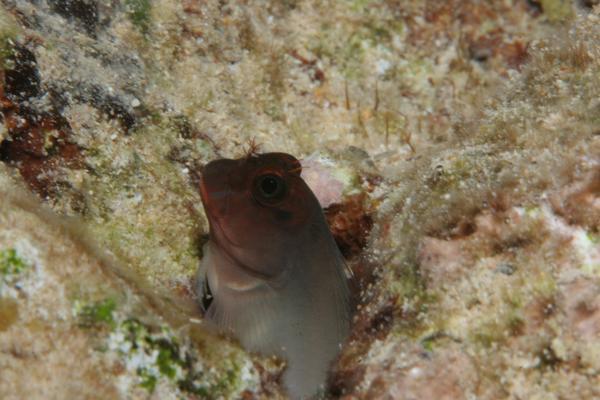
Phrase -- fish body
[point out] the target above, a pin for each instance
(277, 279)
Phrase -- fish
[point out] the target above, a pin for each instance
(271, 273)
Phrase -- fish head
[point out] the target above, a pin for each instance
(259, 209)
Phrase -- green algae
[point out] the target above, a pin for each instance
(488, 333)
(6, 52)
(161, 351)
(11, 265)
(97, 314)
(496, 329)
(593, 237)
(156, 354)
(592, 269)
(557, 10)
(230, 378)
(167, 360)
(140, 13)
(408, 282)
(9, 31)
(509, 318)
(413, 302)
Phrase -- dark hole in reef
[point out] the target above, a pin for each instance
(548, 359)
(109, 104)
(343, 381)
(381, 322)
(85, 12)
(588, 3)
(21, 79)
(511, 244)
(535, 7)
(480, 53)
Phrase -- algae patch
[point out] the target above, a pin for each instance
(11, 265)
(157, 356)
(96, 314)
(557, 10)
(139, 13)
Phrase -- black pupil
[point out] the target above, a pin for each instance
(270, 186)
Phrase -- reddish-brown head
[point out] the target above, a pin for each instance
(259, 208)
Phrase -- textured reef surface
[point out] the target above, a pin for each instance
(455, 147)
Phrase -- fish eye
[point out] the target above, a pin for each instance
(270, 187)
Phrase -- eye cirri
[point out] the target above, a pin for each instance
(271, 273)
